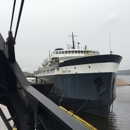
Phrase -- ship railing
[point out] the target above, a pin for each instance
(35, 80)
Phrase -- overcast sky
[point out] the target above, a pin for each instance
(46, 24)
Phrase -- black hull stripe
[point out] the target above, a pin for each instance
(92, 59)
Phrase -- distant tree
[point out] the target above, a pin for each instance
(124, 72)
(27, 74)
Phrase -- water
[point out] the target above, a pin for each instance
(119, 118)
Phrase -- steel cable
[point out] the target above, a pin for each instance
(20, 12)
(12, 15)
(86, 100)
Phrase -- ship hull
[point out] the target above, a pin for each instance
(89, 91)
(85, 93)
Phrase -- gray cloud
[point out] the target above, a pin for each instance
(111, 19)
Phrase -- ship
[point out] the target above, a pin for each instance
(84, 80)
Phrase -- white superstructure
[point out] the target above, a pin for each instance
(60, 55)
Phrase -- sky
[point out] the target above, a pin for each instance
(45, 25)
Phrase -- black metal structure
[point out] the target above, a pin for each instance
(29, 108)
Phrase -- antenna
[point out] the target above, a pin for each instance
(110, 42)
(49, 53)
(73, 39)
(78, 45)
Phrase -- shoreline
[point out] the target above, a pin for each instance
(121, 82)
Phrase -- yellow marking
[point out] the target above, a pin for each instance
(86, 124)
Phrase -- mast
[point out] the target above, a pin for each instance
(73, 39)
(110, 42)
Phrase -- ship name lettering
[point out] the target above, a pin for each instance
(66, 71)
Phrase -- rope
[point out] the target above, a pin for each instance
(20, 12)
(86, 100)
(12, 15)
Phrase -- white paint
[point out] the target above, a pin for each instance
(110, 67)
(90, 68)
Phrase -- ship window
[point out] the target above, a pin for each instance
(65, 52)
(75, 52)
(79, 52)
(59, 52)
(56, 52)
(62, 52)
(68, 52)
(72, 52)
